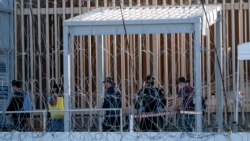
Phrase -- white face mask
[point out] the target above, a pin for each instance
(181, 85)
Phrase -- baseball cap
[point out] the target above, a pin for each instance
(150, 78)
(110, 80)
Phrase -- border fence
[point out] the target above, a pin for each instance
(39, 53)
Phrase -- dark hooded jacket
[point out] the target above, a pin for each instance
(187, 94)
(112, 99)
(151, 98)
(16, 104)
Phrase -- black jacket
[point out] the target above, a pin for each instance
(112, 99)
(151, 99)
(16, 102)
(187, 93)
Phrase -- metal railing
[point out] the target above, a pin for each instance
(130, 121)
(45, 114)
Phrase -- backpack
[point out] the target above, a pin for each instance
(27, 102)
(150, 99)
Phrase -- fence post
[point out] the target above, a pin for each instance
(44, 120)
(131, 123)
(121, 125)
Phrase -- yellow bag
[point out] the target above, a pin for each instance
(59, 106)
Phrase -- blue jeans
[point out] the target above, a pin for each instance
(57, 125)
(188, 122)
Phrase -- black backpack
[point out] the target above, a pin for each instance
(149, 100)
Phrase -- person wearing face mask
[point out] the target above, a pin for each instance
(185, 96)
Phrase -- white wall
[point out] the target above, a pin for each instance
(126, 136)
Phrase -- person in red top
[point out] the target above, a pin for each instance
(186, 94)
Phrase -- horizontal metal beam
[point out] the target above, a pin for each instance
(236, 6)
(131, 29)
(52, 10)
(85, 9)
(5, 10)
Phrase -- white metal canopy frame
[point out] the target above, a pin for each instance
(243, 54)
(143, 20)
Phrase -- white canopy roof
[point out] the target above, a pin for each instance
(244, 51)
(150, 19)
